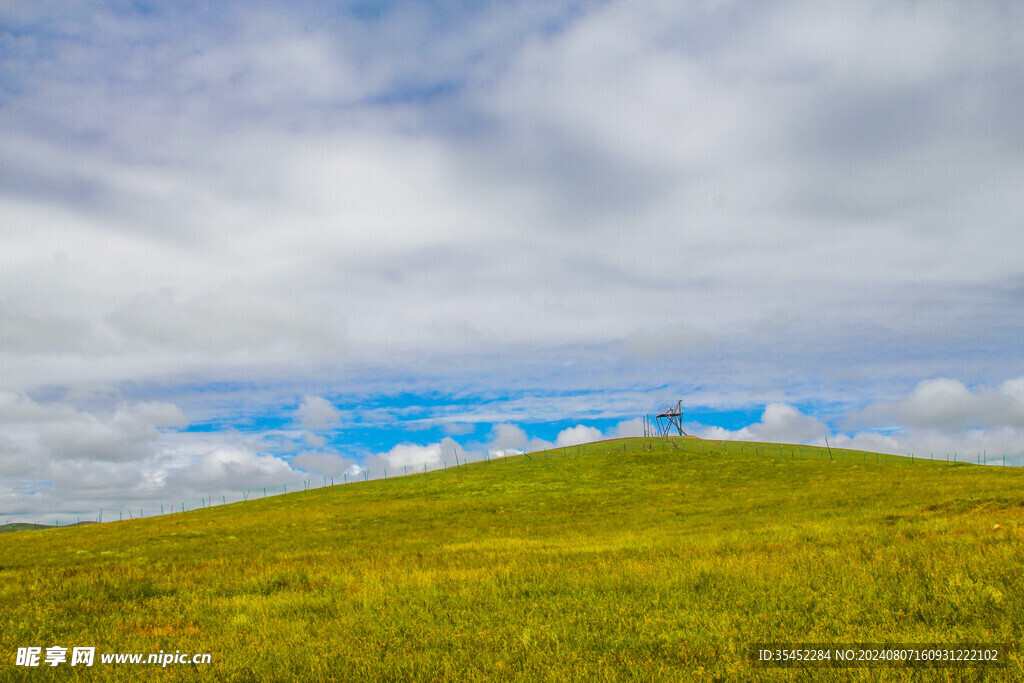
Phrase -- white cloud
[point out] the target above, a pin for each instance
(16, 460)
(324, 463)
(59, 431)
(235, 469)
(504, 452)
(947, 404)
(317, 413)
(314, 440)
(16, 407)
(783, 422)
(1014, 388)
(457, 428)
(510, 439)
(631, 427)
(939, 401)
(943, 416)
(576, 435)
(60, 461)
(411, 455)
(507, 437)
(779, 423)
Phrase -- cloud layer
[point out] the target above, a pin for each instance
(774, 167)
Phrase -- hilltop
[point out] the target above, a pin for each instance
(643, 559)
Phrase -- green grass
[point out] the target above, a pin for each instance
(625, 560)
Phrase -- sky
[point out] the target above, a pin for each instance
(259, 244)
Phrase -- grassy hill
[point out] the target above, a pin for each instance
(623, 560)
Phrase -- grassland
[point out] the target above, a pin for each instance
(626, 560)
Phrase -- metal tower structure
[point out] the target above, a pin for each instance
(671, 417)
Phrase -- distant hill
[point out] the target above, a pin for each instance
(29, 526)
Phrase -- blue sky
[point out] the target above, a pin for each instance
(246, 244)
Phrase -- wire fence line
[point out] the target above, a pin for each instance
(607, 446)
